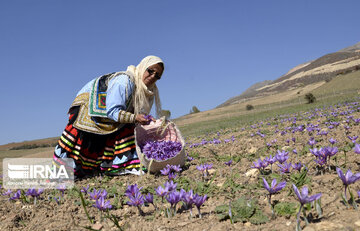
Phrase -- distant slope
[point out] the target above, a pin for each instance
(319, 70)
(250, 92)
(353, 48)
(40, 142)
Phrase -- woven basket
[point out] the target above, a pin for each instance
(161, 130)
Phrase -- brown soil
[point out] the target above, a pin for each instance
(70, 215)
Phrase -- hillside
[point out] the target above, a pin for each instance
(341, 88)
(39, 143)
(322, 69)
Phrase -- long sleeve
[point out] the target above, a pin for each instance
(118, 95)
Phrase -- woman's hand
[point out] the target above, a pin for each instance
(141, 119)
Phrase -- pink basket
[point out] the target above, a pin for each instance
(159, 131)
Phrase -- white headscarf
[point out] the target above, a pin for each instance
(143, 96)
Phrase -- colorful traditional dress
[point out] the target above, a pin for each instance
(100, 133)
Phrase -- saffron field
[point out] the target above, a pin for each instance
(289, 171)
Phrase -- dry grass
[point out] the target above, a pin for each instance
(341, 87)
(26, 153)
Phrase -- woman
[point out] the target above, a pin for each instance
(100, 133)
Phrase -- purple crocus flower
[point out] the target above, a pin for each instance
(132, 190)
(312, 141)
(189, 158)
(175, 168)
(137, 200)
(198, 201)
(260, 164)
(204, 168)
(188, 198)
(270, 160)
(85, 189)
(173, 198)
(285, 167)
(95, 194)
(304, 197)
(297, 166)
(332, 141)
(353, 138)
(170, 169)
(161, 150)
(172, 176)
(61, 188)
(149, 198)
(16, 195)
(281, 156)
(104, 193)
(348, 178)
(323, 133)
(161, 192)
(102, 205)
(149, 118)
(170, 186)
(357, 148)
(228, 163)
(8, 192)
(165, 171)
(274, 188)
(331, 151)
(316, 152)
(33, 192)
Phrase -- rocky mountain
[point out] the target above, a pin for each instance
(322, 69)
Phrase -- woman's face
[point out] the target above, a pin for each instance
(152, 74)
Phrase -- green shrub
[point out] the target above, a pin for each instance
(242, 210)
(310, 98)
(249, 107)
(194, 110)
(286, 209)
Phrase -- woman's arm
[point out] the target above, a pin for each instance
(119, 90)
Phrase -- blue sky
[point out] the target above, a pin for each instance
(213, 50)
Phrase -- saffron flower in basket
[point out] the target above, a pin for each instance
(161, 150)
(149, 118)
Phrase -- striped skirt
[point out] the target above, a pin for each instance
(112, 154)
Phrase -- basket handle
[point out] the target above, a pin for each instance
(163, 126)
(151, 161)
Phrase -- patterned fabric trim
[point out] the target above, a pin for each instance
(85, 123)
(97, 100)
(80, 100)
(117, 157)
(126, 117)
